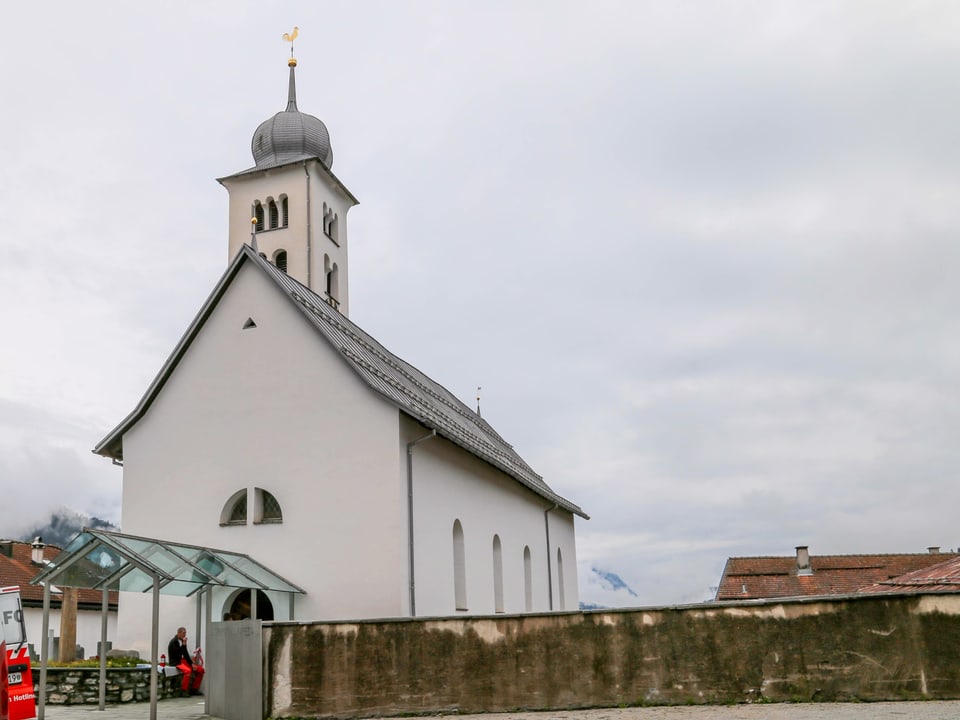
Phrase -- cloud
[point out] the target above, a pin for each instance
(700, 257)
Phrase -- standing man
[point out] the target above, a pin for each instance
(179, 657)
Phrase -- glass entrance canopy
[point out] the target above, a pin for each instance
(103, 560)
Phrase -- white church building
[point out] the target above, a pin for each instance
(280, 429)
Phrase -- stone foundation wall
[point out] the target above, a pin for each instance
(81, 686)
(858, 649)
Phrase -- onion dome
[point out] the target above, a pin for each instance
(291, 135)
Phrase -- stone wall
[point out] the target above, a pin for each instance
(852, 648)
(81, 686)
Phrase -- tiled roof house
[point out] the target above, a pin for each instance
(943, 577)
(757, 578)
(20, 562)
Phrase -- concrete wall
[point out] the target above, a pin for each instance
(865, 648)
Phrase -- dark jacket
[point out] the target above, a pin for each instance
(177, 653)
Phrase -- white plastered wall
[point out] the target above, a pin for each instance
(273, 407)
(450, 484)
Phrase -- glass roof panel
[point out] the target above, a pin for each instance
(96, 556)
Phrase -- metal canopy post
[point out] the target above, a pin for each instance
(44, 651)
(104, 609)
(154, 648)
(201, 633)
(208, 621)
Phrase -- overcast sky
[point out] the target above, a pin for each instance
(701, 256)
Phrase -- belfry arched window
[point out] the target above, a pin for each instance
(258, 214)
(284, 211)
(274, 214)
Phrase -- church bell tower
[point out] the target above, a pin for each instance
(291, 204)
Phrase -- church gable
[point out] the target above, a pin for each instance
(248, 346)
(256, 399)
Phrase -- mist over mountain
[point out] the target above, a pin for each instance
(64, 525)
(602, 589)
(612, 581)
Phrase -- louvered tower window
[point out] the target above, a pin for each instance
(284, 211)
(258, 214)
(280, 260)
(274, 215)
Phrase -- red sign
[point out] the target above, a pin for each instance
(23, 703)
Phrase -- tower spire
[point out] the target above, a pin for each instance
(292, 63)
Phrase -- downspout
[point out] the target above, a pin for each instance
(546, 526)
(410, 447)
(309, 242)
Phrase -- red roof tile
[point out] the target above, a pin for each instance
(19, 569)
(754, 578)
(942, 577)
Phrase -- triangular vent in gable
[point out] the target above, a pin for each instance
(249, 324)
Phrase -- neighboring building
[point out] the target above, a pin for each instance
(19, 563)
(759, 578)
(280, 429)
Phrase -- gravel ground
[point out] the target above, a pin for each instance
(192, 709)
(931, 710)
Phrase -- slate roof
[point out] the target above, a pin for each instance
(19, 569)
(755, 578)
(942, 577)
(401, 384)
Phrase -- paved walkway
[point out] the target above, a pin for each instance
(192, 709)
(188, 708)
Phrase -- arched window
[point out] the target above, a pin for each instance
(331, 282)
(527, 580)
(497, 575)
(334, 227)
(280, 260)
(284, 211)
(274, 214)
(267, 508)
(561, 601)
(258, 214)
(235, 509)
(459, 568)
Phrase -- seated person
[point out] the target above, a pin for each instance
(179, 657)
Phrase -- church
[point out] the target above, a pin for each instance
(279, 429)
